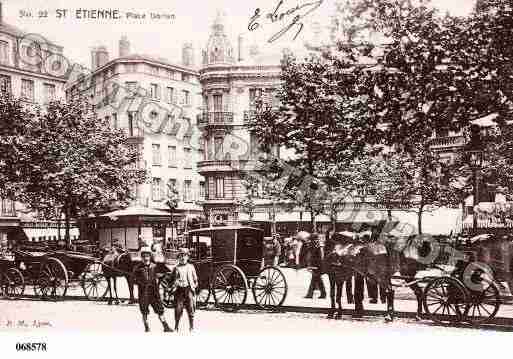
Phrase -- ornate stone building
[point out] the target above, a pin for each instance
(155, 102)
(231, 82)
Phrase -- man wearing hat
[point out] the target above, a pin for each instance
(185, 280)
(146, 279)
(271, 251)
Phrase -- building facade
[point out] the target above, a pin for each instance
(231, 81)
(155, 102)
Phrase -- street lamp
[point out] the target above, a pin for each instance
(476, 161)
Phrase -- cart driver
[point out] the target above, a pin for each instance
(272, 251)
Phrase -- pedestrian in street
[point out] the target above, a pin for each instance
(316, 264)
(185, 281)
(146, 279)
(272, 252)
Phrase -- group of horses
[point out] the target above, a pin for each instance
(375, 258)
(383, 258)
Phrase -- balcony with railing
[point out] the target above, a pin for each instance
(249, 116)
(449, 142)
(215, 118)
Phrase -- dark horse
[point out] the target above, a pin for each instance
(119, 263)
(375, 260)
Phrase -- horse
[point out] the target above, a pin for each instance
(119, 263)
(374, 260)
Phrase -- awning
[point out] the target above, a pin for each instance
(136, 211)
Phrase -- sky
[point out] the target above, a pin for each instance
(164, 37)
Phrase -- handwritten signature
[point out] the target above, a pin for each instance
(26, 323)
(298, 12)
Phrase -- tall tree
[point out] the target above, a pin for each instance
(322, 119)
(76, 161)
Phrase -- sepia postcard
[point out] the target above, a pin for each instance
(192, 172)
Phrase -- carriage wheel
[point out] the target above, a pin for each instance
(483, 305)
(270, 288)
(16, 286)
(229, 288)
(166, 290)
(94, 283)
(52, 281)
(445, 300)
(202, 297)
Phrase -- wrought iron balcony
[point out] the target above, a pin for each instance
(249, 116)
(215, 118)
(448, 142)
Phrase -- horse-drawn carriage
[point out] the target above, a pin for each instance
(50, 273)
(229, 263)
(451, 284)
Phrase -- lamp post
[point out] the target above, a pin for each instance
(476, 161)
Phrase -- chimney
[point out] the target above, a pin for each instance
(240, 46)
(102, 56)
(187, 55)
(124, 47)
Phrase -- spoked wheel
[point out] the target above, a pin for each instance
(229, 288)
(202, 297)
(166, 290)
(483, 305)
(94, 283)
(445, 300)
(52, 281)
(270, 288)
(16, 286)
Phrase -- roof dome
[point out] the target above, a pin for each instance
(219, 49)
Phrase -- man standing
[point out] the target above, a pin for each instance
(315, 264)
(272, 252)
(146, 279)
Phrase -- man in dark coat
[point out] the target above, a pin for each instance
(316, 263)
(148, 292)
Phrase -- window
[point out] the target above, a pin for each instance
(185, 77)
(202, 190)
(171, 185)
(154, 91)
(131, 68)
(115, 120)
(219, 187)
(27, 89)
(107, 119)
(154, 70)
(201, 149)
(187, 158)
(186, 97)
(49, 92)
(218, 103)
(254, 94)
(218, 148)
(131, 118)
(170, 95)
(4, 52)
(156, 189)
(131, 88)
(171, 156)
(5, 83)
(155, 150)
(187, 195)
